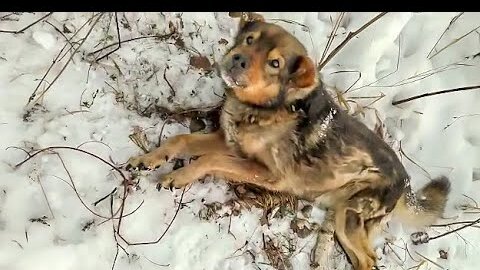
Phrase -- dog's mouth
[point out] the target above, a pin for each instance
(232, 80)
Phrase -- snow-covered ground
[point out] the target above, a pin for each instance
(96, 106)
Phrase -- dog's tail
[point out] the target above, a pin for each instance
(426, 206)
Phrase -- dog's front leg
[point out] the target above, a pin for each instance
(189, 144)
(229, 167)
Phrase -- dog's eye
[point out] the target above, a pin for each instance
(275, 63)
(249, 40)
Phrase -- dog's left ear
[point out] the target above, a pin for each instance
(246, 17)
(303, 73)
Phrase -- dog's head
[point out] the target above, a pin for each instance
(267, 66)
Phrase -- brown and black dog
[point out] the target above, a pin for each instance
(282, 131)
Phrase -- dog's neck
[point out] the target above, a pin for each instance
(316, 106)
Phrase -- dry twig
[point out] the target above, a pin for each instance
(405, 100)
(26, 27)
(348, 38)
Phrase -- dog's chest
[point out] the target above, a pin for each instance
(253, 133)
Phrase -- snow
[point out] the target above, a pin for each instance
(98, 105)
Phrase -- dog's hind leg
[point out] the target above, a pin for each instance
(355, 224)
(325, 246)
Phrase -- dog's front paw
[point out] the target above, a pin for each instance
(146, 162)
(176, 179)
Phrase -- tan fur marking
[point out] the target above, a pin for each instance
(258, 94)
(276, 54)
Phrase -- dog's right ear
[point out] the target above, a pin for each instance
(246, 17)
(303, 73)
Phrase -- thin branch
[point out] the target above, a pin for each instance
(396, 254)
(456, 118)
(455, 230)
(398, 102)
(348, 38)
(425, 258)
(172, 91)
(413, 161)
(45, 195)
(161, 133)
(105, 197)
(115, 258)
(349, 71)
(18, 148)
(125, 179)
(74, 149)
(471, 199)
(55, 60)
(163, 234)
(16, 242)
(61, 179)
(333, 33)
(61, 33)
(66, 64)
(389, 74)
(75, 188)
(445, 31)
(100, 142)
(119, 41)
(5, 17)
(26, 27)
(157, 264)
(166, 36)
(126, 215)
(425, 74)
(454, 41)
(115, 235)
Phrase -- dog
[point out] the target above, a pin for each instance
(282, 131)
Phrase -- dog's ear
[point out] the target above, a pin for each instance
(246, 17)
(303, 73)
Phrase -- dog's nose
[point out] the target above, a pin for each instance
(240, 61)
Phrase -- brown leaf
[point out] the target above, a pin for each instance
(264, 219)
(42, 220)
(419, 238)
(209, 211)
(139, 138)
(234, 14)
(379, 127)
(223, 41)
(301, 227)
(307, 210)
(179, 43)
(172, 27)
(476, 174)
(200, 62)
(196, 124)
(276, 256)
(66, 30)
(443, 254)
